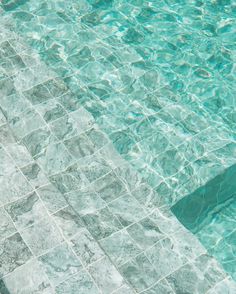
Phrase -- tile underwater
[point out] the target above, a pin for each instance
(106, 122)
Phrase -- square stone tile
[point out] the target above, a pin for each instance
(13, 186)
(196, 277)
(84, 120)
(20, 154)
(112, 156)
(227, 260)
(80, 283)
(86, 247)
(38, 141)
(127, 209)
(6, 50)
(106, 275)
(123, 141)
(13, 105)
(2, 119)
(7, 227)
(161, 252)
(7, 165)
(50, 110)
(109, 187)
(26, 122)
(64, 127)
(129, 176)
(34, 175)
(120, 247)
(211, 269)
(102, 223)
(29, 278)
(166, 221)
(165, 193)
(147, 197)
(96, 107)
(161, 287)
(94, 167)
(13, 64)
(38, 94)
(52, 197)
(69, 101)
(98, 137)
(68, 221)
(55, 159)
(188, 244)
(81, 58)
(56, 87)
(42, 236)
(139, 272)
(60, 263)
(220, 287)
(146, 233)
(26, 211)
(69, 180)
(6, 136)
(80, 146)
(124, 290)
(14, 253)
(26, 78)
(84, 201)
(7, 87)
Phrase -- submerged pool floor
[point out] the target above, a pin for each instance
(158, 78)
(219, 237)
(112, 112)
(210, 213)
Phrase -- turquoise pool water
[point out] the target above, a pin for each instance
(157, 78)
(209, 213)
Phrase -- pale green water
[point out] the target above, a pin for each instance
(210, 214)
(158, 77)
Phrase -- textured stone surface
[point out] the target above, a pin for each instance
(161, 287)
(60, 263)
(80, 283)
(120, 247)
(86, 247)
(68, 221)
(161, 252)
(84, 201)
(34, 175)
(6, 225)
(42, 236)
(106, 157)
(140, 272)
(106, 275)
(13, 185)
(197, 277)
(102, 223)
(26, 211)
(51, 197)
(228, 286)
(29, 278)
(14, 253)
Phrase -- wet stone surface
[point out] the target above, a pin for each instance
(106, 120)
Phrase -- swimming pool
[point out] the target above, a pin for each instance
(157, 79)
(210, 214)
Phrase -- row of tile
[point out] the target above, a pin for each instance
(135, 91)
(103, 222)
